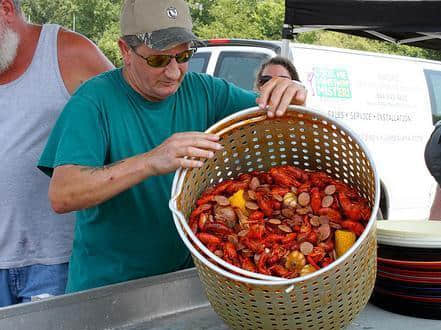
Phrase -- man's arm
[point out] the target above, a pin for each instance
(75, 187)
(79, 59)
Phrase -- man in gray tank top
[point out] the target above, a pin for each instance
(40, 66)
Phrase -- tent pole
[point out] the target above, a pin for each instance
(287, 35)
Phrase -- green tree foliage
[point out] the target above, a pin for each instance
(92, 17)
(263, 19)
(246, 19)
(96, 19)
(108, 43)
(200, 11)
(51, 11)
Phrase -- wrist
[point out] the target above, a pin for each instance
(147, 166)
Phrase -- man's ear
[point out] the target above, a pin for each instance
(125, 50)
(8, 10)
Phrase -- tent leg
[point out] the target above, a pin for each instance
(287, 35)
(285, 48)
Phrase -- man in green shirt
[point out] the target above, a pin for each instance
(121, 136)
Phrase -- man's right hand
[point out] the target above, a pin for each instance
(75, 187)
(178, 151)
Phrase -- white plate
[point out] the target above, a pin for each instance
(410, 233)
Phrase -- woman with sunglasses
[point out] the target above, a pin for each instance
(276, 67)
(115, 147)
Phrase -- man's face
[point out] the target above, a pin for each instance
(156, 83)
(9, 40)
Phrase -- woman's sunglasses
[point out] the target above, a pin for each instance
(160, 61)
(264, 79)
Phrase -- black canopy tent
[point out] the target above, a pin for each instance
(410, 22)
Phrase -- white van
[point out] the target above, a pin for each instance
(391, 102)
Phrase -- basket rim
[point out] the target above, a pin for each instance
(184, 229)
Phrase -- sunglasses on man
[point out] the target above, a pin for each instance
(161, 61)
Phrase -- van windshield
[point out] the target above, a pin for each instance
(239, 68)
(433, 79)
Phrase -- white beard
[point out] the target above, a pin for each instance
(9, 40)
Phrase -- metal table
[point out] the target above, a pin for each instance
(171, 301)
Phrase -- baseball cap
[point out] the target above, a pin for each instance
(160, 24)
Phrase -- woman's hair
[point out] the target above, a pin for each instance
(278, 60)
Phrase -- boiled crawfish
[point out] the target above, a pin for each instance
(284, 222)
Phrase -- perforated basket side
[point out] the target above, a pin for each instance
(328, 301)
(329, 298)
(303, 138)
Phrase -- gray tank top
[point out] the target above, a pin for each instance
(30, 232)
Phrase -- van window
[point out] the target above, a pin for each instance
(239, 68)
(433, 79)
(199, 62)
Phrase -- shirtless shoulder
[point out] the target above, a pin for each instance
(79, 59)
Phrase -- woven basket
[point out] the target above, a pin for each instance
(326, 299)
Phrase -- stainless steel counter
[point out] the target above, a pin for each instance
(172, 301)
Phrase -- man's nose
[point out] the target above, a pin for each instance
(172, 70)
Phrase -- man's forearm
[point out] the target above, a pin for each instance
(75, 187)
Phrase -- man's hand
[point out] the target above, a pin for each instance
(278, 93)
(76, 187)
(178, 151)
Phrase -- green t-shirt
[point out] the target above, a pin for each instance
(131, 235)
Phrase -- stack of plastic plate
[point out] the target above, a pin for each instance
(409, 268)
